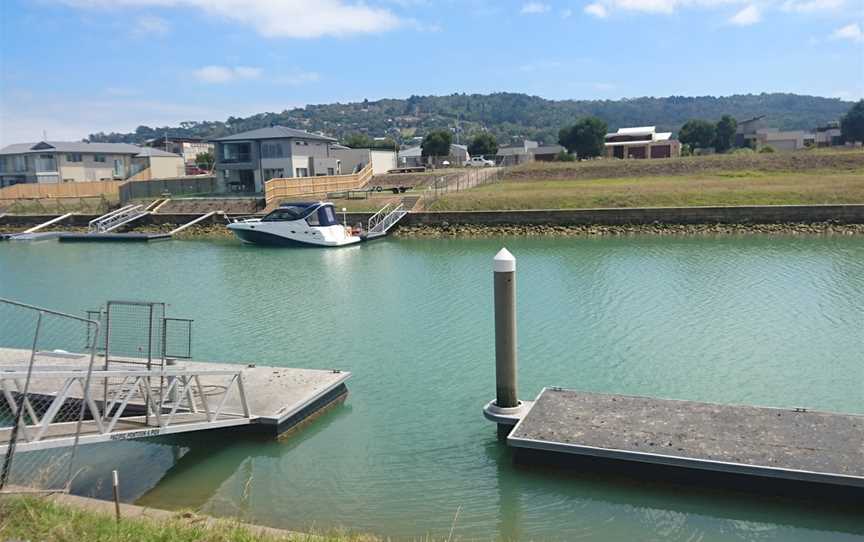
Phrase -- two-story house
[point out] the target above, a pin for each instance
(245, 161)
(77, 161)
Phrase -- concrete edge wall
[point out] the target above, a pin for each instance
(847, 214)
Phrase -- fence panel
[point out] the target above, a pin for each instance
(109, 189)
(276, 190)
(33, 340)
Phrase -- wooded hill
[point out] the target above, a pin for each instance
(510, 117)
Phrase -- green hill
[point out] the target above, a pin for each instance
(509, 116)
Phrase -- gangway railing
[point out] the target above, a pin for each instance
(381, 222)
(113, 220)
(139, 403)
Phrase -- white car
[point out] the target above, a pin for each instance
(479, 161)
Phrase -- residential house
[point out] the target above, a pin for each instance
(75, 161)
(413, 156)
(784, 141)
(643, 142)
(745, 133)
(353, 160)
(829, 135)
(187, 147)
(245, 161)
(528, 151)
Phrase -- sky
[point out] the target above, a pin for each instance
(69, 68)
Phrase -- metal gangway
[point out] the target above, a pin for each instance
(138, 403)
(117, 218)
(381, 222)
(67, 380)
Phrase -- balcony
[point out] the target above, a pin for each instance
(235, 153)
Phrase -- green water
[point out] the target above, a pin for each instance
(758, 320)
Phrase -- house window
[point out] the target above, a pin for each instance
(98, 157)
(2, 164)
(271, 150)
(301, 172)
(303, 143)
(331, 171)
(74, 157)
(277, 173)
(20, 163)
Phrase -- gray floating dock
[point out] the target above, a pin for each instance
(804, 446)
(112, 237)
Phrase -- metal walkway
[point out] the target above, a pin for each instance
(381, 222)
(119, 404)
(117, 218)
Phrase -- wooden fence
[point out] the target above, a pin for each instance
(107, 189)
(277, 190)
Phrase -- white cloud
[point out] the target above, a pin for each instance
(602, 8)
(225, 74)
(850, 32)
(747, 16)
(150, 25)
(297, 78)
(597, 10)
(534, 8)
(276, 18)
(808, 6)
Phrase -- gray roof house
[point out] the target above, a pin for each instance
(245, 161)
(80, 161)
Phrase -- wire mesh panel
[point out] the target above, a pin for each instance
(36, 345)
(177, 338)
(134, 332)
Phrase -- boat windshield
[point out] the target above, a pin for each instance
(289, 212)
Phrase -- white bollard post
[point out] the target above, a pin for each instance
(507, 395)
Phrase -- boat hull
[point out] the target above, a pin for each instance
(289, 235)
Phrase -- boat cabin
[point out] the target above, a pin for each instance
(314, 213)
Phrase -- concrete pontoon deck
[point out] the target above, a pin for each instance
(791, 444)
(112, 237)
(271, 399)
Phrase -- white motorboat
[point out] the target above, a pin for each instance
(312, 224)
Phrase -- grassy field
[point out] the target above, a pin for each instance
(780, 179)
(42, 520)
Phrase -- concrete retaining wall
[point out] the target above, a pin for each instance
(849, 214)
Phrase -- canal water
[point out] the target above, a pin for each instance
(755, 320)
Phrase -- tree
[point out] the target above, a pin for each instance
(724, 137)
(358, 141)
(586, 138)
(483, 145)
(698, 134)
(437, 143)
(205, 159)
(852, 123)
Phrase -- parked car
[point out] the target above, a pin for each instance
(479, 161)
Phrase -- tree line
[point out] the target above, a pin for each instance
(586, 137)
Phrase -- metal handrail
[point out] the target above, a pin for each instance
(392, 217)
(376, 219)
(108, 215)
(127, 214)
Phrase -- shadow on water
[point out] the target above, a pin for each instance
(664, 491)
(186, 471)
